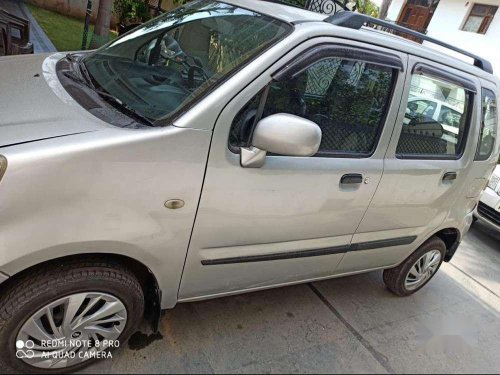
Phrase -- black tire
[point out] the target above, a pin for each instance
(32, 291)
(394, 278)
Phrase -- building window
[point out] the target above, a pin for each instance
(480, 18)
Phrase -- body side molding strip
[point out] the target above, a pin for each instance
(313, 253)
(382, 243)
(279, 256)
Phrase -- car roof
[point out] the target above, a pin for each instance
(296, 15)
(283, 12)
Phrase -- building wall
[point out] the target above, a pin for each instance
(73, 8)
(395, 9)
(447, 22)
(78, 8)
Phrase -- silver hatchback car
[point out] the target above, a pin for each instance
(222, 148)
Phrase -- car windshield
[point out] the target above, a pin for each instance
(161, 67)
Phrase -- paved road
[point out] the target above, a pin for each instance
(349, 325)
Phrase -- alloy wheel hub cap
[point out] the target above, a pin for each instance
(423, 270)
(71, 330)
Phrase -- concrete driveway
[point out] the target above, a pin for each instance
(349, 325)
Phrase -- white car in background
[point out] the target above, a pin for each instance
(444, 113)
(488, 209)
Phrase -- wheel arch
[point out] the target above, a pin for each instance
(146, 277)
(451, 238)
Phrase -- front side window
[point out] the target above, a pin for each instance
(489, 125)
(480, 18)
(440, 131)
(348, 99)
(161, 67)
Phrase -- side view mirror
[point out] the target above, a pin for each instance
(281, 134)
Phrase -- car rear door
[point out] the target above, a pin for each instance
(488, 147)
(293, 219)
(426, 169)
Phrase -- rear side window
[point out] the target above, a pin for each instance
(348, 99)
(423, 107)
(436, 120)
(489, 125)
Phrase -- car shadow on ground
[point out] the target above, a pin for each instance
(479, 256)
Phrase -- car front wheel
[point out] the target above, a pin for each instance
(62, 317)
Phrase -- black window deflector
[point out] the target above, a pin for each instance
(441, 74)
(322, 52)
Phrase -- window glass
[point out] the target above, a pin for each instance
(422, 107)
(160, 67)
(489, 125)
(480, 18)
(449, 116)
(347, 99)
(441, 130)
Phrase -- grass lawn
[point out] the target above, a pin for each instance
(65, 32)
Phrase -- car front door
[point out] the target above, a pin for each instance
(293, 218)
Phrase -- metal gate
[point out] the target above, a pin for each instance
(328, 7)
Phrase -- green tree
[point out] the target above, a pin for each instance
(367, 7)
(131, 11)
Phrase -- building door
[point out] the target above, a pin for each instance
(417, 14)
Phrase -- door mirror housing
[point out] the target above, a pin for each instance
(282, 134)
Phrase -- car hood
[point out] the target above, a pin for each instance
(33, 106)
